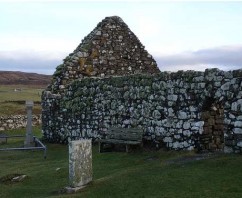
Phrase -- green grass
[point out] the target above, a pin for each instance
(12, 102)
(118, 174)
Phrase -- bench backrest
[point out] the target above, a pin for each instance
(125, 133)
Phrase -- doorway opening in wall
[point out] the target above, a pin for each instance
(212, 138)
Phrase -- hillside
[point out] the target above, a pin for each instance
(22, 78)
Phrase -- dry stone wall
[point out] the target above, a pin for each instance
(17, 121)
(172, 108)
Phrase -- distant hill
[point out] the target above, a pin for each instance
(23, 78)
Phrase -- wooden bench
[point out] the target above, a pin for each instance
(123, 136)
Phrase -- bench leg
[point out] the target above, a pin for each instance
(100, 147)
(127, 148)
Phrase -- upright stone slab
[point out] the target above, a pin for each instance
(80, 163)
(29, 135)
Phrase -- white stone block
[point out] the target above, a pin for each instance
(217, 84)
(151, 130)
(228, 74)
(228, 149)
(156, 114)
(179, 124)
(237, 130)
(186, 125)
(167, 139)
(185, 144)
(126, 122)
(172, 97)
(183, 91)
(182, 115)
(159, 123)
(201, 85)
(199, 78)
(239, 95)
(231, 116)
(61, 87)
(198, 124)
(159, 131)
(192, 109)
(225, 86)
(170, 112)
(187, 133)
(180, 131)
(166, 123)
(227, 121)
(239, 144)
(98, 33)
(238, 123)
(176, 145)
(218, 93)
(177, 137)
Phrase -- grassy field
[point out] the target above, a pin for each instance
(141, 173)
(13, 102)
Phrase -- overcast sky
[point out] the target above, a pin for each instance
(35, 36)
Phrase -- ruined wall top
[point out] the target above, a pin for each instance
(111, 49)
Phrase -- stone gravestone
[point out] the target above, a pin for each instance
(29, 136)
(80, 164)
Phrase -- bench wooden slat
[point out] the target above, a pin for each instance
(123, 137)
(119, 141)
(127, 136)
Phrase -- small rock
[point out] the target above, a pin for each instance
(19, 178)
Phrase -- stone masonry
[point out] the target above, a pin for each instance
(111, 49)
(110, 80)
(170, 107)
(17, 121)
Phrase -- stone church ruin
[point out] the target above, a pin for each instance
(110, 80)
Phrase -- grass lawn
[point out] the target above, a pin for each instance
(13, 102)
(117, 174)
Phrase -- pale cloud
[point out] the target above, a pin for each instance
(37, 43)
(30, 61)
(147, 27)
(224, 57)
(179, 35)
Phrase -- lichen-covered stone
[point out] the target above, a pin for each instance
(80, 162)
(105, 52)
(89, 106)
(17, 121)
(110, 80)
